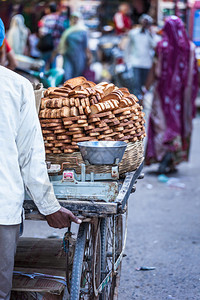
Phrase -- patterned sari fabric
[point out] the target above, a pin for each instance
(173, 108)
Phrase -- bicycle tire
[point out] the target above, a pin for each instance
(78, 261)
(109, 291)
(86, 270)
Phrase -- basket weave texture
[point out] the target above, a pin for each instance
(132, 158)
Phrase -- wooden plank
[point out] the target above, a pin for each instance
(40, 253)
(86, 208)
(90, 207)
(44, 256)
(40, 285)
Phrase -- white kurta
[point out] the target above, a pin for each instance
(139, 51)
(22, 155)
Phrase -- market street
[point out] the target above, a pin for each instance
(164, 232)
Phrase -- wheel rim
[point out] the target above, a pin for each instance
(89, 266)
(97, 261)
(118, 224)
(91, 270)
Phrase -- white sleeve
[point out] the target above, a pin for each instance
(32, 155)
(128, 48)
(119, 20)
(152, 40)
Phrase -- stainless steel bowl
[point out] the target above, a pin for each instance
(102, 152)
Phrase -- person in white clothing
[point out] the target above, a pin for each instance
(22, 166)
(139, 52)
(17, 35)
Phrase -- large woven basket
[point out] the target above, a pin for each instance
(132, 158)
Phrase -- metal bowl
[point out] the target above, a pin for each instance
(102, 152)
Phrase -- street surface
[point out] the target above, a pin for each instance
(164, 232)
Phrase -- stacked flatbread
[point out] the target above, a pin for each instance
(82, 111)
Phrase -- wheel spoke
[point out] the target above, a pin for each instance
(107, 232)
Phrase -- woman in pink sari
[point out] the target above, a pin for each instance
(173, 108)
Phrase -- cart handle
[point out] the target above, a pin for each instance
(67, 162)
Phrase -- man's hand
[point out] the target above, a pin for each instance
(62, 218)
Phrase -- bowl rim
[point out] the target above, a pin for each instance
(81, 144)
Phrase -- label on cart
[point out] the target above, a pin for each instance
(68, 176)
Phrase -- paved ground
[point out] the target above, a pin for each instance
(164, 232)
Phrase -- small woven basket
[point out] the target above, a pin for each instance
(131, 160)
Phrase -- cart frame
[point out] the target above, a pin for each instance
(103, 266)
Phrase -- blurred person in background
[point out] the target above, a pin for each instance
(51, 27)
(33, 41)
(74, 47)
(139, 52)
(47, 43)
(122, 19)
(17, 35)
(63, 21)
(175, 75)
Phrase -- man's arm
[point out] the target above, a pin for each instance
(11, 61)
(32, 163)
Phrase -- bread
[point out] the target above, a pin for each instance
(82, 111)
(46, 131)
(96, 108)
(83, 103)
(58, 131)
(74, 111)
(65, 111)
(75, 81)
(69, 150)
(82, 86)
(87, 110)
(50, 121)
(109, 88)
(67, 123)
(87, 101)
(48, 145)
(75, 136)
(66, 102)
(48, 151)
(72, 101)
(77, 102)
(123, 103)
(74, 119)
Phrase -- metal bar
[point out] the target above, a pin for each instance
(113, 243)
(125, 191)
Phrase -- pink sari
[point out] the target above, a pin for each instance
(170, 124)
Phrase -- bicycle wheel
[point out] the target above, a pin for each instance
(113, 236)
(86, 265)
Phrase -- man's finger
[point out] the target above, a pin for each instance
(71, 216)
(74, 219)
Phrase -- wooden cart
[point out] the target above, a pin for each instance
(87, 267)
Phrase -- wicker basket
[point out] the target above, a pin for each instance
(132, 158)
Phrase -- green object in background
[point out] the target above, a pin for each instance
(163, 178)
(53, 77)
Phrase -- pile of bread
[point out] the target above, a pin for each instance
(84, 111)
